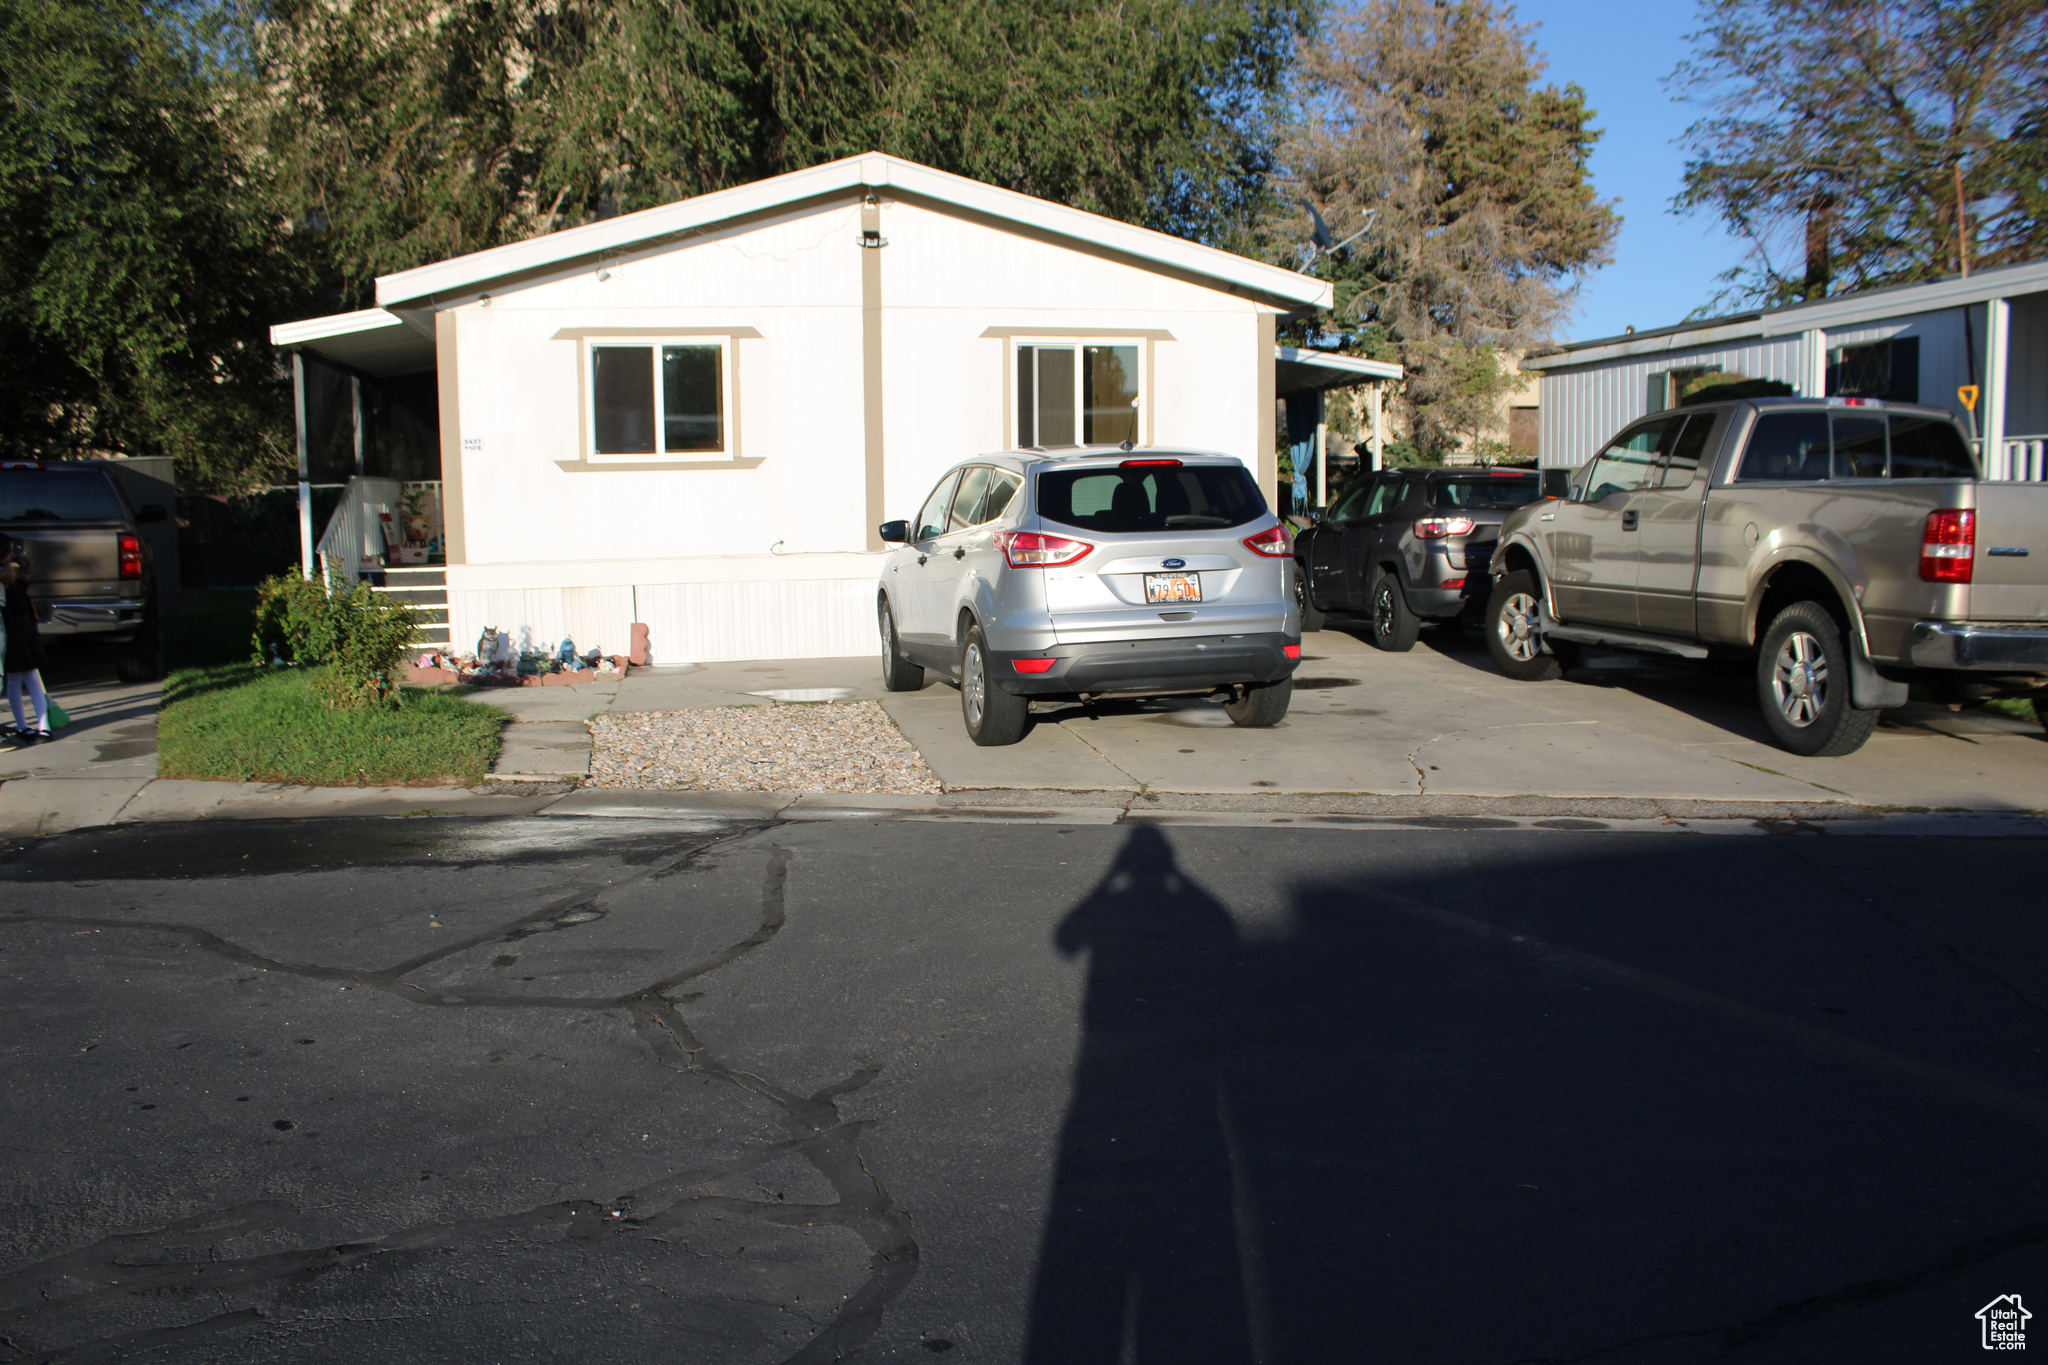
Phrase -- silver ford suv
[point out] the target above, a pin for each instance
(1092, 572)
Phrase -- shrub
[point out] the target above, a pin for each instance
(1719, 385)
(358, 631)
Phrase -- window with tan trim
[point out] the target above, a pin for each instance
(659, 398)
(1078, 391)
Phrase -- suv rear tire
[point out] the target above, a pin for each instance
(1512, 634)
(1802, 685)
(1260, 704)
(1312, 616)
(1393, 625)
(898, 673)
(994, 717)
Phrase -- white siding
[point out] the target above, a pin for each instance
(767, 559)
(1581, 408)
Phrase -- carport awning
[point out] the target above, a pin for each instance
(373, 342)
(1297, 370)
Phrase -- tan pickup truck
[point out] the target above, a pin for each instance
(1846, 546)
(93, 575)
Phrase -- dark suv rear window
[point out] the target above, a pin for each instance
(1189, 497)
(1488, 492)
(57, 495)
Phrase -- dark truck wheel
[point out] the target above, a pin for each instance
(898, 673)
(993, 716)
(1514, 632)
(1260, 704)
(1802, 684)
(1312, 616)
(1393, 625)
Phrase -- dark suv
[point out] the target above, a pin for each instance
(1408, 546)
(93, 579)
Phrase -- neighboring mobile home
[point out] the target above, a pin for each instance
(696, 416)
(1917, 343)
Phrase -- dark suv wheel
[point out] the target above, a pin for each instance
(1393, 626)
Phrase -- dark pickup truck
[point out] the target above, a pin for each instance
(93, 579)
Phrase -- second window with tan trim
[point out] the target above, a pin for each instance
(1079, 391)
(657, 398)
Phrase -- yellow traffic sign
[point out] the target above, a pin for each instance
(1968, 393)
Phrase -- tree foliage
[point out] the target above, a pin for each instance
(1428, 136)
(411, 130)
(139, 259)
(1835, 130)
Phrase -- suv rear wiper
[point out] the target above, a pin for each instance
(1196, 519)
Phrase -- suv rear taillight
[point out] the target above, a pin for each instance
(1949, 547)
(1436, 528)
(131, 556)
(1031, 550)
(1272, 542)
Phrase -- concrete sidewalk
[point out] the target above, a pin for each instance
(1432, 734)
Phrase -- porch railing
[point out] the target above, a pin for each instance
(2019, 457)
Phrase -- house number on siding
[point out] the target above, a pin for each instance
(472, 443)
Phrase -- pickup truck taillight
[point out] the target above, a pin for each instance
(1436, 528)
(131, 556)
(1948, 549)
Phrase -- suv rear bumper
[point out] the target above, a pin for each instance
(1996, 649)
(1169, 665)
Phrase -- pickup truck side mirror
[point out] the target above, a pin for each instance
(149, 512)
(895, 532)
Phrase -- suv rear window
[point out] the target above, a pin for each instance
(1492, 493)
(57, 495)
(1190, 498)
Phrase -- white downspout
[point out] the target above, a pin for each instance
(1997, 361)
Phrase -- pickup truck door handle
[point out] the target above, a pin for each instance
(1628, 520)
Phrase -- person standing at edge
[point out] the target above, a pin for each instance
(24, 649)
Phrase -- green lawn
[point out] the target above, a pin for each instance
(225, 719)
(241, 723)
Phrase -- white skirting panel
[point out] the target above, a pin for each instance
(686, 622)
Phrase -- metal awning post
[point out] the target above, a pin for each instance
(305, 467)
(355, 402)
(1379, 442)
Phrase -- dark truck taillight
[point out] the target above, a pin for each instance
(131, 555)
(1948, 549)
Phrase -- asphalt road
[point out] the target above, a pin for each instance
(558, 1089)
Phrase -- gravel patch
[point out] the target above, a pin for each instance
(834, 747)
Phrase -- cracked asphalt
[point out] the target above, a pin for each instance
(576, 1089)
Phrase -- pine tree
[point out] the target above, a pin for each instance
(1427, 142)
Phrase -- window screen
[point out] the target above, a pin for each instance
(1786, 447)
(692, 409)
(622, 399)
(1929, 448)
(1073, 394)
(57, 495)
(1186, 498)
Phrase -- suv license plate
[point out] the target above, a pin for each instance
(1173, 587)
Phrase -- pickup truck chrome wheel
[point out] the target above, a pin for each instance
(1514, 631)
(1802, 684)
(1799, 679)
(1517, 627)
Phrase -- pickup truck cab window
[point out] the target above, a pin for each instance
(1630, 462)
(1682, 465)
(1859, 447)
(1786, 447)
(1928, 448)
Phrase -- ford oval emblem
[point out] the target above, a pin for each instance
(1173, 563)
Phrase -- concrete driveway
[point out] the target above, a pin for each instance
(1439, 721)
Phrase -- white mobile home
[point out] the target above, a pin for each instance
(696, 416)
(1916, 343)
